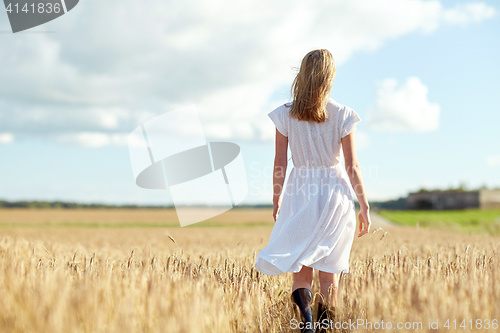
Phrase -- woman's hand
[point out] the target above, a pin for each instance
(364, 222)
(276, 210)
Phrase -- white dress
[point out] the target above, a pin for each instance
(316, 223)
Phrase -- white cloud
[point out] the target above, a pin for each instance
(6, 138)
(112, 64)
(403, 107)
(493, 160)
(93, 140)
(469, 13)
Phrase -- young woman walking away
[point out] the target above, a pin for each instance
(314, 213)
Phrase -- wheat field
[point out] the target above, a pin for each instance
(74, 271)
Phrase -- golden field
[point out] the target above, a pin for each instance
(137, 271)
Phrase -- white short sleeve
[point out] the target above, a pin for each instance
(278, 118)
(351, 118)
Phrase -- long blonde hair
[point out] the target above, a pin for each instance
(312, 85)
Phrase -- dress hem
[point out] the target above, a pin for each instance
(271, 272)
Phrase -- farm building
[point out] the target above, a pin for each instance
(454, 199)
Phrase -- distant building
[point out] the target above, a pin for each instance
(454, 199)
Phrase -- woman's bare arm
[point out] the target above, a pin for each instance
(280, 165)
(354, 172)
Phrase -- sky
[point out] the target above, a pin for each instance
(422, 75)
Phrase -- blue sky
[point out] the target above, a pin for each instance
(68, 99)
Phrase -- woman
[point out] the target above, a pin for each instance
(315, 216)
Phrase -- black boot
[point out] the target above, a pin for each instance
(302, 297)
(325, 312)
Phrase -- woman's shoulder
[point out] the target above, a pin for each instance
(281, 111)
(284, 108)
(341, 109)
(334, 104)
(331, 103)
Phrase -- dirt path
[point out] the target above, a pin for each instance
(379, 221)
